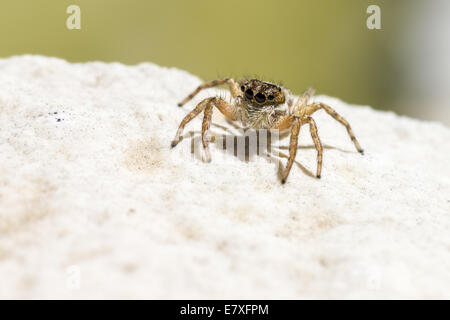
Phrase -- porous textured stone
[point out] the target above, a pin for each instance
(95, 204)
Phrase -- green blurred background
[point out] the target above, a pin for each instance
(320, 43)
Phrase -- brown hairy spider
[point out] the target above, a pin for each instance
(262, 105)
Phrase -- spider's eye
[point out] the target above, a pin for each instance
(271, 97)
(242, 88)
(249, 94)
(260, 98)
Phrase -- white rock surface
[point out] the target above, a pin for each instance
(97, 205)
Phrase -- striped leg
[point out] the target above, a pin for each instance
(310, 109)
(303, 100)
(191, 115)
(317, 143)
(208, 104)
(232, 85)
(205, 130)
(295, 130)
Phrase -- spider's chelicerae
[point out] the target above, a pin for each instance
(263, 105)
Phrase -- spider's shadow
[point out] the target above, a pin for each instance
(220, 142)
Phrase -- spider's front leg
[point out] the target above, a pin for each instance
(207, 105)
(295, 123)
(191, 115)
(206, 124)
(283, 123)
(317, 143)
(232, 86)
(293, 143)
(310, 109)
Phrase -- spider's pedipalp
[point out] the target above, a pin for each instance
(232, 86)
(283, 123)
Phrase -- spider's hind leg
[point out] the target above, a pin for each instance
(232, 85)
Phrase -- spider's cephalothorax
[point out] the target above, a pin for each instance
(259, 93)
(263, 105)
(260, 103)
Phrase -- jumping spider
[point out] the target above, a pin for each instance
(262, 105)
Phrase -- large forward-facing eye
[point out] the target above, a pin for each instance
(249, 94)
(260, 98)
